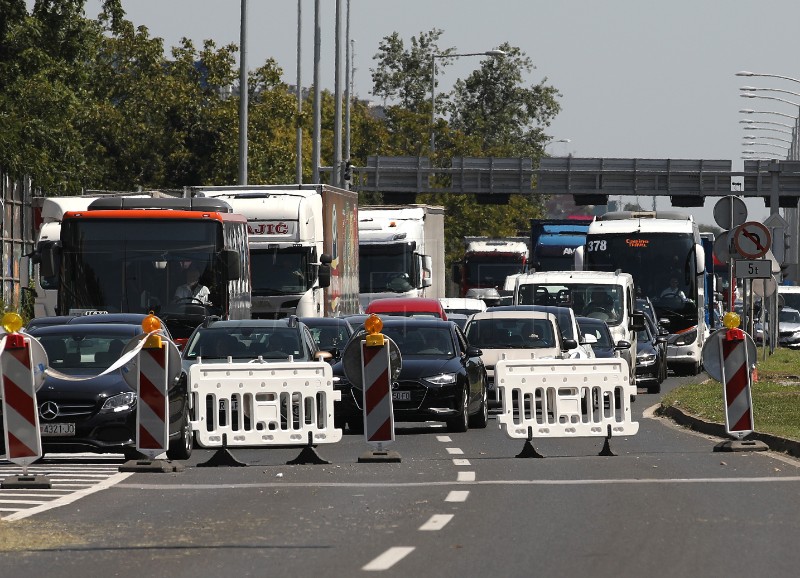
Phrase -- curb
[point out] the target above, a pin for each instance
(775, 443)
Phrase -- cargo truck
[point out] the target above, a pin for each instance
(488, 261)
(401, 252)
(303, 247)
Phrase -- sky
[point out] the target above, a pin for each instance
(638, 78)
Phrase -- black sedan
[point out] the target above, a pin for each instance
(330, 333)
(651, 358)
(98, 414)
(442, 377)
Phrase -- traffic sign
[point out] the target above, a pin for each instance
(712, 353)
(764, 287)
(722, 246)
(753, 269)
(752, 240)
(730, 212)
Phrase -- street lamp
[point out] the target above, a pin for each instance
(756, 89)
(748, 73)
(766, 128)
(753, 137)
(433, 84)
(751, 122)
(775, 112)
(752, 95)
(765, 144)
(548, 143)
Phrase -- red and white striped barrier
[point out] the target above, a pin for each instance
(736, 378)
(378, 412)
(23, 442)
(152, 415)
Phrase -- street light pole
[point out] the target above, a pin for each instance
(433, 84)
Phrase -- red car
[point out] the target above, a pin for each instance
(408, 307)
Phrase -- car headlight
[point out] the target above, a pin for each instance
(646, 359)
(442, 379)
(119, 402)
(684, 338)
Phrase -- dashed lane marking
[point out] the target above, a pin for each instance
(455, 451)
(389, 558)
(461, 462)
(466, 476)
(457, 496)
(437, 522)
(444, 439)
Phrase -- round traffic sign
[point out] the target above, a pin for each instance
(730, 212)
(352, 364)
(712, 356)
(722, 246)
(752, 240)
(39, 362)
(764, 287)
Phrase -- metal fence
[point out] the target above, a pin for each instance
(17, 227)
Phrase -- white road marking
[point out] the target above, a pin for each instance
(444, 439)
(466, 476)
(455, 451)
(437, 522)
(457, 496)
(461, 462)
(389, 558)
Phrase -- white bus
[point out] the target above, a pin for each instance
(662, 251)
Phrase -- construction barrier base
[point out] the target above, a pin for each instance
(741, 446)
(222, 458)
(151, 466)
(26, 483)
(375, 457)
(308, 455)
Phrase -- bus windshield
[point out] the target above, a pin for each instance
(138, 265)
(662, 266)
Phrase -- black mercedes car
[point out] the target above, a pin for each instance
(98, 414)
(651, 358)
(442, 377)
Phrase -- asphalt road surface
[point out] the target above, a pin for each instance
(456, 505)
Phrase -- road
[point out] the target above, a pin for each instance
(457, 505)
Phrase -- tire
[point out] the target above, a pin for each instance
(654, 387)
(481, 419)
(181, 448)
(460, 423)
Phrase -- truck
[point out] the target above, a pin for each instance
(488, 261)
(303, 247)
(554, 241)
(401, 252)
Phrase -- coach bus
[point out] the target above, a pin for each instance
(663, 253)
(131, 255)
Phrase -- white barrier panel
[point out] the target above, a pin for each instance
(565, 398)
(258, 404)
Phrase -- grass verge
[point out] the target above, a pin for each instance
(776, 396)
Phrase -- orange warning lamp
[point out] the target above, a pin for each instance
(12, 322)
(373, 325)
(731, 320)
(149, 324)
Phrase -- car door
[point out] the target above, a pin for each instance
(473, 366)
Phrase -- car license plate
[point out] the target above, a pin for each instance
(401, 395)
(57, 429)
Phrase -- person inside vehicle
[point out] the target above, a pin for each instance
(192, 290)
(673, 291)
(600, 302)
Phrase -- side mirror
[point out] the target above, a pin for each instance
(638, 321)
(663, 338)
(324, 275)
(427, 270)
(622, 345)
(568, 344)
(473, 351)
(233, 264)
(455, 272)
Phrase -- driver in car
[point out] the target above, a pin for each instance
(600, 302)
(193, 290)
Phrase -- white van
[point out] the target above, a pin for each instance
(789, 296)
(598, 294)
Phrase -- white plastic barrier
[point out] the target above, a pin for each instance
(565, 398)
(259, 403)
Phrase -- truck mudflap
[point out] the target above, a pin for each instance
(263, 404)
(565, 398)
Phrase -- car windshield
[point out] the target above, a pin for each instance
(603, 337)
(246, 343)
(789, 316)
(330, 336)
(503, 333)
(436, 341)
(83, 351)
